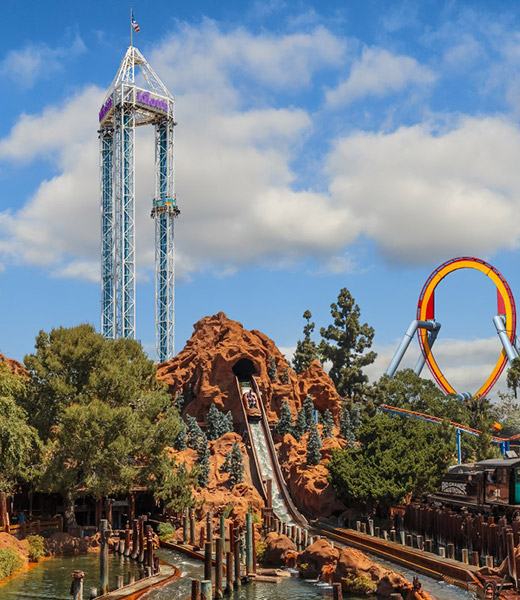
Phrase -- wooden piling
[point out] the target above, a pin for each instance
(489, 561)
(76, 588)
(131, 578)
(135, 539)
(205, 588)
(511, 562)
(149, 547)
(127, 540)
(236, 550)
(223, 533)
(209, 526)
(207, 559)
(249, 543)
(142, 534)
(195, 589)
(336, 591)
(192, 528)
(185, 529)
(450, 550)
(465, 556)
(103, 556)
(119, 582)
(475, 559)
(229, 572)
(218, 567)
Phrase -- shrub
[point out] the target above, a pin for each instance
(165, 531)
(10, 561)
(260, 550)
(358, 585)
(36, 549)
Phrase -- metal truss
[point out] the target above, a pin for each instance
(164, 212)
(127, 106)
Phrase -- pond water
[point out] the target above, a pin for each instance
(51, 581)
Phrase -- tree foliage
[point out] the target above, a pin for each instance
(395, 456)
(346, 428)
(234, 465)
(328, 423)
(19, 442)
(346, 343)
(173, 484)
(513, 376)
(285, 423)
(203, 455)
(313, 446)
(219, 423)
(195, 434)
(272, 370)
(306, 349)
(99, 408)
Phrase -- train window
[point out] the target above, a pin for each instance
(502, 476)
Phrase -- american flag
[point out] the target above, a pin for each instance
(136, 27)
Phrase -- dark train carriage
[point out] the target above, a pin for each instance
(489, 486)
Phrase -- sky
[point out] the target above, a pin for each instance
(353, 144)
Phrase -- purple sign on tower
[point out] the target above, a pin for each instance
(105, 108)
(146, 98)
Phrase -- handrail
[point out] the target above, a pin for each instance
(251, 442)
(295, 513)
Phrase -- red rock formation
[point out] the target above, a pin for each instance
(16, 367)
(207, 362)
(218, 495)
(308, 484)
(315, 560)
(21, 547)
(277, 547)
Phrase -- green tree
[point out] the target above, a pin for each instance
(272, 370)
(180, 441)
(194, 433)
(308, 411)
(173, 484)
(395, 457)
(219, 423)
(19, 442)
(346, 430)
(346, 345)
(203, 455)
(328, 423)
(513, 376)
(300, 427)
(285, 423)
(355, 416)
(306, 349)
(101, 411)
(234, 465)
(313, 446)
(284, 378)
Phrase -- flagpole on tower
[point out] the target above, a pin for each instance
(131, 25)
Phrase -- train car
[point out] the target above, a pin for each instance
(491, 486)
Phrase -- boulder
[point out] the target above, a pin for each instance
(277, 548)
(317, 560)
(16, 367)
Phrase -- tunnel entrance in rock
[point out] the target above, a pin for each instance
(244, 369)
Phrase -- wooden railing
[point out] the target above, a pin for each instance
(35, 526)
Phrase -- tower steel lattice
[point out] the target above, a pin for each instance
(128, 105)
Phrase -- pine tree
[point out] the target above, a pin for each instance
(306, 350)
(271, 369)
(285, 423)
(285, 376)
(313, 446)
(179, 401)
(203, 461)
(218, 423)
(355, 416)
(308, 411)
(328, 423)
(346, 430)
(345, 344)
(180, 442)
(300, 426)
(234, 465)
(194, 432)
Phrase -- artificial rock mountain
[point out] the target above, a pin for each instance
(204, 372)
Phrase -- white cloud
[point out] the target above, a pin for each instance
(38, 61)
(466, 364)
(424, 195)
(378, 73)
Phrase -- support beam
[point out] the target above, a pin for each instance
(405, 342)
(500, 326)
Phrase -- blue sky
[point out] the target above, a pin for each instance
(319, 145)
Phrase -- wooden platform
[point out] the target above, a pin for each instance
(135, 590)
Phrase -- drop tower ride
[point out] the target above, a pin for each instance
(128, 105)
